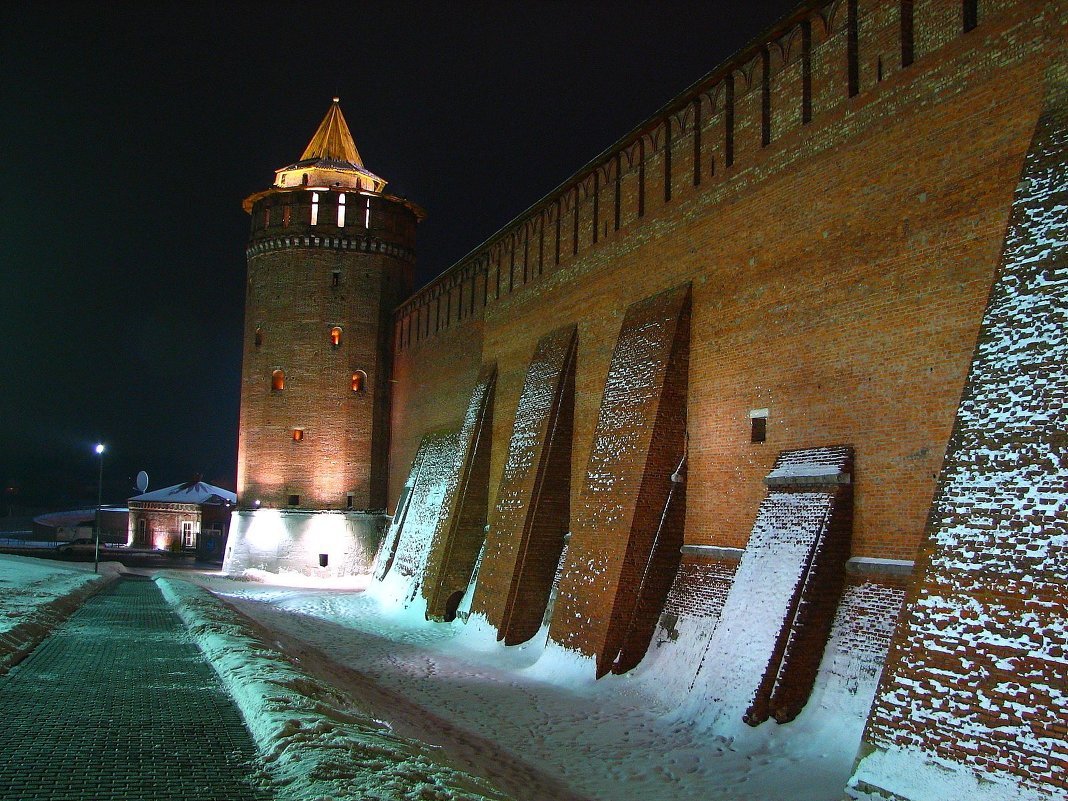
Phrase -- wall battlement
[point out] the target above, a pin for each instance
(820, 67)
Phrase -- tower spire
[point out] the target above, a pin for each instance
(333, 140)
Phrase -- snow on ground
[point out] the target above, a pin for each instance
(314, 742)
(35, 594)
(533, 720)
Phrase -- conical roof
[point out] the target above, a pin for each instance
(333, 140)
(330, 160)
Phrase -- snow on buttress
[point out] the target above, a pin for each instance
(745, 636)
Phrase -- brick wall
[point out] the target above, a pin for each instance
(304, 280)
(974, 693)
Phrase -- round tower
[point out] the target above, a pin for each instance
(329, 257)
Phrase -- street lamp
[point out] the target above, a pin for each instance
(99, 501)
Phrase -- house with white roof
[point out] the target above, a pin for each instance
(190, 517)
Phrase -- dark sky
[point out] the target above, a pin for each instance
(130, 132)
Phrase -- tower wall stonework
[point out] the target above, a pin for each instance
(304, 281)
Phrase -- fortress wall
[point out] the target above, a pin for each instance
(839, 272)
(431, 391)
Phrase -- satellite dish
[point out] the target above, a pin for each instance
(142, 481)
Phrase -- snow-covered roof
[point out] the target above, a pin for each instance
(198, 492)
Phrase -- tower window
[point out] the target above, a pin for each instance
(758, 420)
(359, 381)
(315, 208)
(298, 434)
(348, 501)
(341, 210)
(259, 338)
(335, 336)
(293, 500)
(278, 380)
(267, 217)
(367, 215)
(285, 216)
(335, 278)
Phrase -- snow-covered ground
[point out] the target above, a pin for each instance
(532, 719)
(35, 594)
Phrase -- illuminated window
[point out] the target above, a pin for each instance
(259, 337)
(315, 208)
(335, 336)
(298, 434)
(341, 211)
(278, 380)
(359, 381)
(367, 214)
(189, 535)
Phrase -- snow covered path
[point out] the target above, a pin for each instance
(534, 722)
(119, 703)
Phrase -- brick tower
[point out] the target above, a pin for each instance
(329, 256)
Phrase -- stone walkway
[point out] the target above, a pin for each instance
(119, 704)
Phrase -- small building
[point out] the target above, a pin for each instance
(191, 517)
(78, 524)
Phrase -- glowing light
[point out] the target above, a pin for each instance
(99, 447)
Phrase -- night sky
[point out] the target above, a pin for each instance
(130, 133)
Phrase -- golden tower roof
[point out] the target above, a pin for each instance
(330, 160)
(333, 140)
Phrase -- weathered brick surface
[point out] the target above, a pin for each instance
(530, 519)
(303, 280)
(461, 530)
(624, 520)
(974, 691)
(763, 656)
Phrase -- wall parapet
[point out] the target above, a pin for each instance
(810, 63)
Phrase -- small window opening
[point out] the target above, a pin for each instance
(315, 208)
(758, 419)
(285, 216)
(348, 501)
(283, 181)
(335, 336)
(324, 559)
(341, 211)
(304, 179)
(278, 380)
(367, 215)
(359, 381)
(971, 14)
(259, 338)
(298, 434)
(293, 500)
(335, 278)
(267, 217)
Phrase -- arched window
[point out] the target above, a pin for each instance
(359, 381)
(259, 338)
(278, 380)
(335, 335)
(341, 210)
(315, 208)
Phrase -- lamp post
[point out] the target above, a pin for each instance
(99, 501)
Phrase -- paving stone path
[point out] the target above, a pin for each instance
(119, 704)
